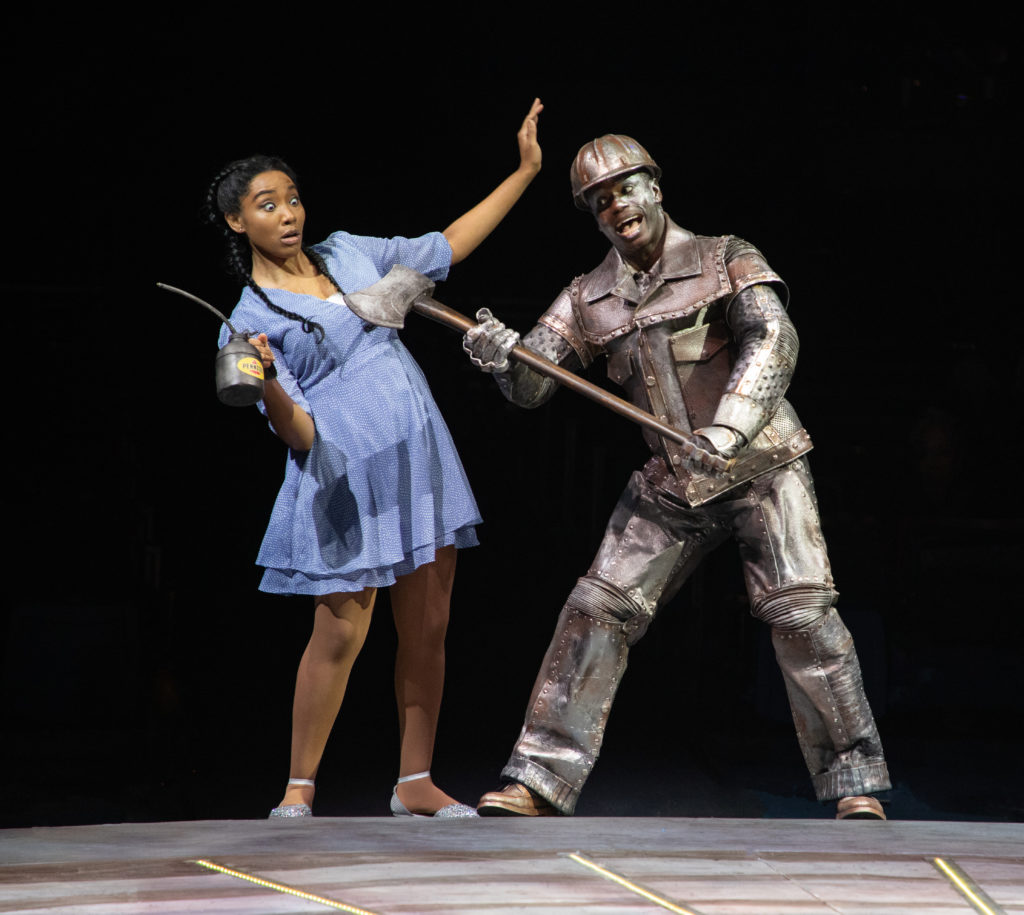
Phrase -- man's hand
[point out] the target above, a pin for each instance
(719, 444)
(720, 440)
(489, 343)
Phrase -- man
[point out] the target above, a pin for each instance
(695, 329)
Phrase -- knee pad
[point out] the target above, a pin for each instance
(604, 601)
(795, 608)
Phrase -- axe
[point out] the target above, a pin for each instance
(390, 299)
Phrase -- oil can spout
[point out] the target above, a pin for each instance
(238, 369)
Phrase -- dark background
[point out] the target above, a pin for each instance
(868, 153)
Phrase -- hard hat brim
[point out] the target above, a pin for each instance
(579, 198)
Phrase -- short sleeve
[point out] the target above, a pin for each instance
(428, 254)
(287, 381)
(284, 376)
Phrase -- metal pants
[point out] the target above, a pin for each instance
(651, 545)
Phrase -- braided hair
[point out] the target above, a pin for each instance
(224, 197)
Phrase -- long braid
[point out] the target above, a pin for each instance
(239, 258)
(221, 199)
(321, 265)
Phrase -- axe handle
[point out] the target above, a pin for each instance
(433, 309)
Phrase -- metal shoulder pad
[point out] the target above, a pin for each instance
(563, 318)
(747, 266)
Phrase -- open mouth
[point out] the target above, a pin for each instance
(291, 238)
(629, 227)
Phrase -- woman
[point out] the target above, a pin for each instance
(374, 494)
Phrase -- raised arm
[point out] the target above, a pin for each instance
(472, 227)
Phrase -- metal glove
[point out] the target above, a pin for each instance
(489, 343)
(720, 441)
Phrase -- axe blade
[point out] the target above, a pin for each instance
(388, 301)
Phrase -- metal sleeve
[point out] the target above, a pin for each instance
(768, 346)
(527, 388)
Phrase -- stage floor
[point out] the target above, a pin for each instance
(498, 866)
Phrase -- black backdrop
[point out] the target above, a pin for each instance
(867, 153)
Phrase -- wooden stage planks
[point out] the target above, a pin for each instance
(503, 866)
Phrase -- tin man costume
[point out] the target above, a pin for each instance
(695, 329)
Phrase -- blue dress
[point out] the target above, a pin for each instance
(382, 488)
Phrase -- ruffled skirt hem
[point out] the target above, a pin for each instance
(292, 581)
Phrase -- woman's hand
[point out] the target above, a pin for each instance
(529, 148)
(266, 353)
(473, 226)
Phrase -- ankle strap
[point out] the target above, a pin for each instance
(412, 778)
(301, 782)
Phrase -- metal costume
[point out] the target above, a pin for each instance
(704, 342)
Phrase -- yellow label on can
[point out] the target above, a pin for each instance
(251, 366)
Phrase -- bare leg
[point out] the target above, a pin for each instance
(340, 625)
(420, 602)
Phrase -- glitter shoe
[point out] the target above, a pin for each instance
(294, 810)
(449, 812)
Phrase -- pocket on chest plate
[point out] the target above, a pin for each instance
(701, 356)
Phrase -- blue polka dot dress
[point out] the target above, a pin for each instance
(382, 488)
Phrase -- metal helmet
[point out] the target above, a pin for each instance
(606, 157)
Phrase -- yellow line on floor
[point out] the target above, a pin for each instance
(281, 888)
(967, 887)
(629, 885)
